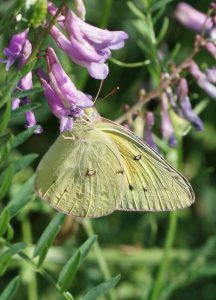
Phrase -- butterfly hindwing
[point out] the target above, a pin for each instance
(81, 175)
(151, 183)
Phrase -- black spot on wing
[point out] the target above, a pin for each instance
(131, 188)
(137, 157)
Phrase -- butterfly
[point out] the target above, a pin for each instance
(100, 166)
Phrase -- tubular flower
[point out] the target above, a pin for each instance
(80, 7)
(85, 44)
(203, 80)
(25, 84)
(186, 108)
(65, 101)
(166, 123)
(15, 48)
(192, 18)
(148, 137)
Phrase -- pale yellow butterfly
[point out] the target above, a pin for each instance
(101, 166)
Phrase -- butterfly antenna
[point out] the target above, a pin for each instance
(101, 84)
(112, 92)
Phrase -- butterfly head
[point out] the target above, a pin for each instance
(92, 115)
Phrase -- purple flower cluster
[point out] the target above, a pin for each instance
(19, 49)
(197, 21)
(85, 44)
(177, 96)
(65, 101)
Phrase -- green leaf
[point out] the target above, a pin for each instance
(68, 272)
(4, 220)
(4, 138)
(86, 247)
(5, 257)
(24, 108)
(10, 290)
(102, 288)
(22, 137)
(48, 236)
(23, 162)
(163, 30)
(6, 179)
(5, 118)
(21, 94)
(136, 11)
(158, 4)
(22, 197)
(9, 87)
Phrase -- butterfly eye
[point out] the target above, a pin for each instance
(137, 157)
(90, 173)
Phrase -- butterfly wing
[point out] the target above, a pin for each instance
(81, 176)
(151, 184)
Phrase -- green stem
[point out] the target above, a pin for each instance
(166, 256)
(170, 237)
(100, 258)
(27, 238)
(107, 9)
(130, 65)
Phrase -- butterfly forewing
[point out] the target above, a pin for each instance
(82, 175)
(151, 183)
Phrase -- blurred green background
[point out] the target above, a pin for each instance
(132, 243)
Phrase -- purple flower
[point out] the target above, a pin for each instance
(211, 75)
(15, 103)
(202, 80)
(166, 123)
(25, 83)
(86, 45)
(192, 18)
(80, 7)
(14, 50)
(65, 101)
(148, 137)
(210, 47)
(185, 104)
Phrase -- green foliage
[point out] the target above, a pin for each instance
(48, 236)
(10, 290)
(102, 289)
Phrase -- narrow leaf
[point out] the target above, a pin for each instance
(5, 118)
(163, 30)
(4, 138)
(21, 198)
(21, 94)
(10, 290)
(136, 11)
(23, 162)
(158, 4)
(5, 257)
(102, 288)
(22, 137)
(4, 220)
(6, 181)
(6, 92)
(24, 108)
(48, 236)
(86, 247)
(68, 272)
